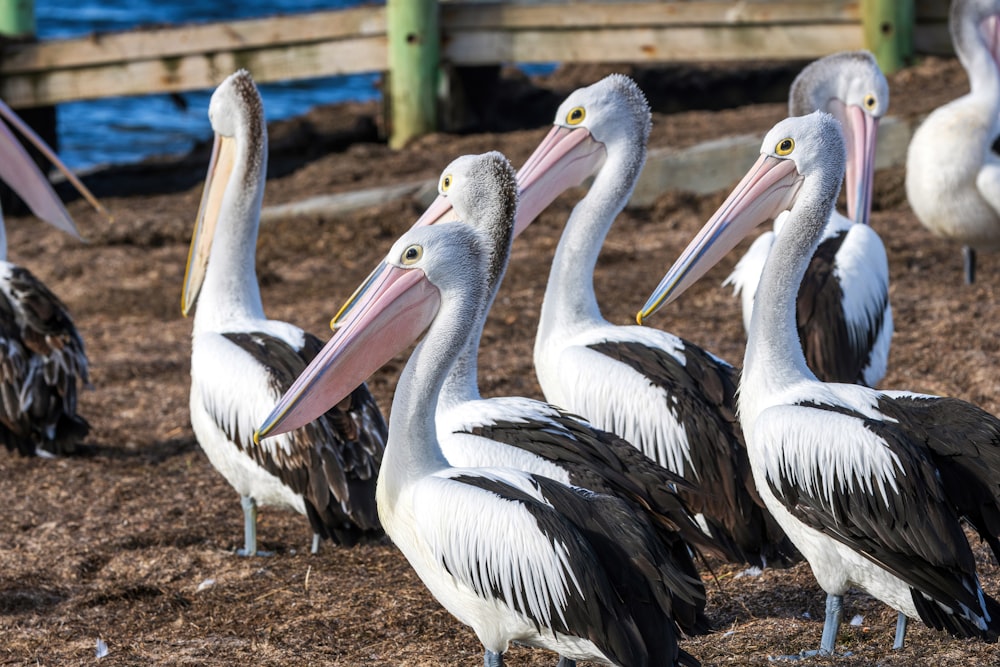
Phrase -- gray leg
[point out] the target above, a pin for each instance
(834, 613)
(566, 662)
(969, 254)
(900, 632)
(250, 529)
(314, 549)
(491, 659)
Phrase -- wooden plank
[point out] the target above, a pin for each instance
(456, 16)
(643, 45)
(179, 41)
(142, 77)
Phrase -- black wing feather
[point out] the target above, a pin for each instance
(702, 395)
(335, 459)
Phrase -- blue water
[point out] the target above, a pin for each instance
(127, 129)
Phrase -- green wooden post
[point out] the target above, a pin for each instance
(414, 48)
(888, 26)
(17, 18)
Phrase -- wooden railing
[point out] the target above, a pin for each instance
(172, 59)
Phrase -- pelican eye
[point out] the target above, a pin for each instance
(576, 115)
(785, 146)
(870, 101)
(446, 182)
(412, 254)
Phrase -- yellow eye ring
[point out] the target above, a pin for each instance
(870, 101)
(576, 116)
(446, 182)
(785, 146)
(412, 255)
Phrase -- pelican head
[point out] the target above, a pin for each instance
(399, 303)
(796, 150)
(850, 86)
(588, 124)
(236, 113)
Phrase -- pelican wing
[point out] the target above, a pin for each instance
(865, 484)
(683, 415)
(562, 558)
(43, 360)
(843, 314)
(964, 441)
(327, 461)
(594, 459)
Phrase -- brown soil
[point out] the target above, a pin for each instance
(133, 541)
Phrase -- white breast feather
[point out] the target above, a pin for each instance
(464, 450)
(614, 397)
(824, 453)
(235, 388)
(500, 546)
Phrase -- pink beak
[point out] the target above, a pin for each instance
(397, 306)
(564, 159)
(768, 189)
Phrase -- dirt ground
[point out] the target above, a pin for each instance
(132, 542)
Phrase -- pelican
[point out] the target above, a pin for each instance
(952, 175)
(515, 555)
(241, 362)
(666, 396)
(871, 486)
(42, 356)
(531, 435)
(844, 317)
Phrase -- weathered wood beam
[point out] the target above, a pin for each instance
(175, 59)
(645, 45)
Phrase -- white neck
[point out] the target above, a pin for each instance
(230, 291)
(774, 357)
(412, 449)
(984, 78)
(570, 303)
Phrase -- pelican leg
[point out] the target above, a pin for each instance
(492, 659)
(969, 254)
(900, 631)
(834, 614)
(565, 662)
(314, 549)
(250, 529)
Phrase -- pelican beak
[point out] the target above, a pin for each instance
(20, 172)
(397, 306)
(564, 159)
(860, 137)
(768, 189)
(220, 168)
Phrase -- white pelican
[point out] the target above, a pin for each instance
(530, 435)
(871, 486)
(952, 175)
(42, 356)
(671, 399)
(515, 555)
(241, 362)
(844, 317)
